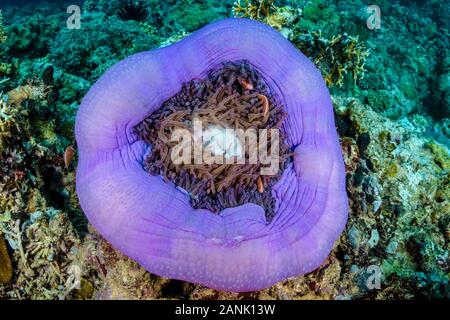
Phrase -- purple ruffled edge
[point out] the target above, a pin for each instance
(153, 223)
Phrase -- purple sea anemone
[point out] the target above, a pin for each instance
(152, 221)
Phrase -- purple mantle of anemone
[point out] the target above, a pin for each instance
(152, 222)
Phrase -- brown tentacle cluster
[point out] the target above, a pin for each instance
(233, 96)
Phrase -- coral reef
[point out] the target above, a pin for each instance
(3, 36)
(6, 272)
(88, 52)
(281, 18)
(187, 15)
(44, 249)
(408, 79)
(15, 163)
(32, 176)
(31, 91)
(439, 98)
(27, 149)
(399, 199)
(256, 9)
(394, 128)
(398, 224)
(111, 275)
(31, 37)
(339, 57)
(319, 15)
(6, 69)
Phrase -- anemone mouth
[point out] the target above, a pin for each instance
(220, 139)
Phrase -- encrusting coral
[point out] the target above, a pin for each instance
(399, 205)
(342, 55)
(33, 90)
(88, 52)
(337, 57)
(254, 9)
(6, 69)
(31, 37)
(280, 18)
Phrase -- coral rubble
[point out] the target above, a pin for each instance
(44, 247)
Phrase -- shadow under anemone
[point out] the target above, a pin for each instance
(153, 222)
(232, 97)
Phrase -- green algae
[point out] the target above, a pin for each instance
(392, 170)
(377, 100)
(441, 154)
(318, 15)
(408, 89)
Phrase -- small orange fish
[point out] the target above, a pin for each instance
(260, 185)
(246, 84)
(68, 156)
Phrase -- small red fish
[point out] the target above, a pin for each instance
(68, 156)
